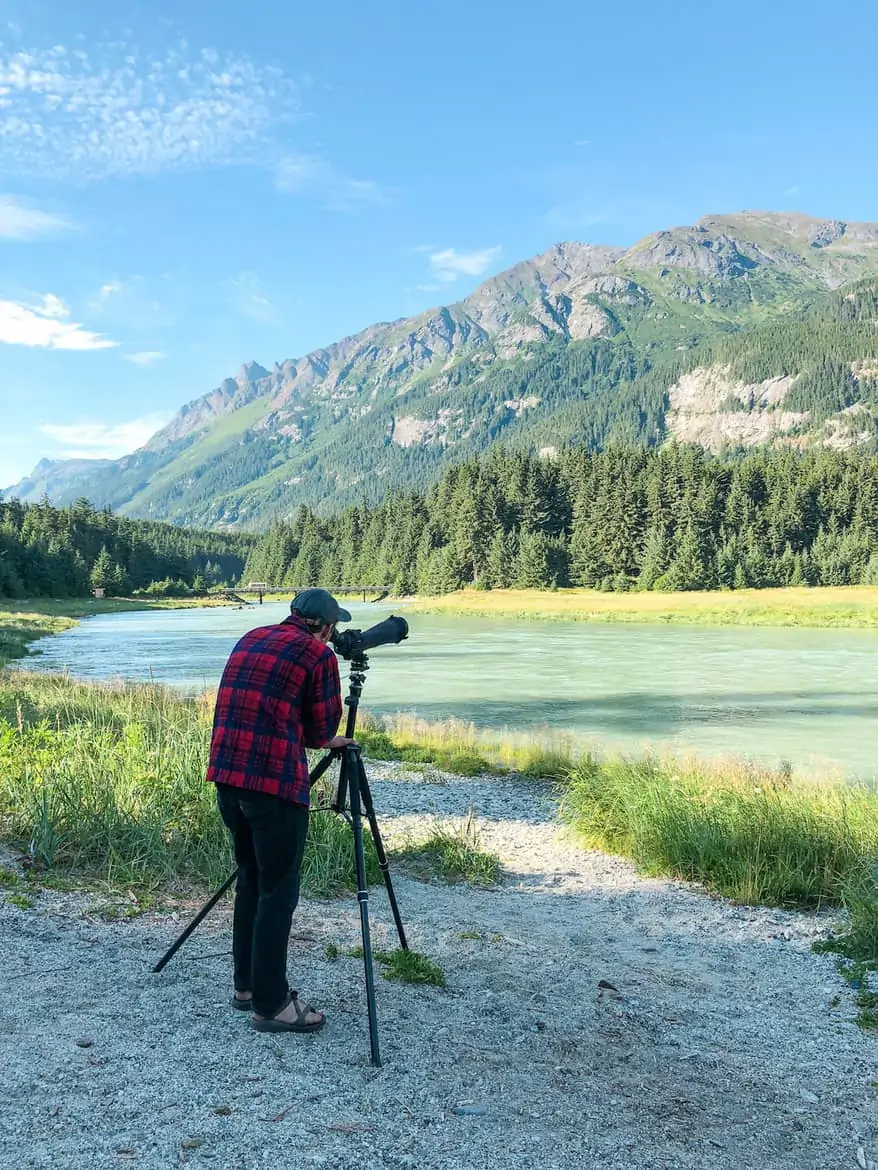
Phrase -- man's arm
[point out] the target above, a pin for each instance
(322, 705)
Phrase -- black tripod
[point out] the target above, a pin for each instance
(353, 785)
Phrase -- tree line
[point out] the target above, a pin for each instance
(626, 518)
(674, 518)
(69, 552)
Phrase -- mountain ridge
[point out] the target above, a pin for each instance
(418, 392)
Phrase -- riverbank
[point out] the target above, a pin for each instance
(593, 1016)
(844, 606)
(105, 783)
(23, 622)
(93, 776)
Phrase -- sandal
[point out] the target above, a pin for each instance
(242, 1005)
(273, 1024)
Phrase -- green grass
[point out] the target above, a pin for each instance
(107, 783)
(856, 974)
(18, 628)
(842, 606)
(461, 749)
(406, 966)
(454, 853)
(751, 835)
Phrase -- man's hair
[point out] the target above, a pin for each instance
(314, 624)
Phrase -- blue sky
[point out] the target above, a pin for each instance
(185, 187)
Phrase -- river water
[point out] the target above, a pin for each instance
(803, 695)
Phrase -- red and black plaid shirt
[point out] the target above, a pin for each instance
(279, 694)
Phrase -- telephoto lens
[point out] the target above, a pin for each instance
(349, 643)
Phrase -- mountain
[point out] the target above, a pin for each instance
(583, 343)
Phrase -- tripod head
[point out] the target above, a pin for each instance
(356, 678)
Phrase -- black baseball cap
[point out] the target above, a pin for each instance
(318, 605)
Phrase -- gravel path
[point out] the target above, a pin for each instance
(593, 1018)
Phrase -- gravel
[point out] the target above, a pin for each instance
(593, 1018)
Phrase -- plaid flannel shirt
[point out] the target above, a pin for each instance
(279, 693)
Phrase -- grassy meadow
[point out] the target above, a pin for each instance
(853, 605)
(105, 782)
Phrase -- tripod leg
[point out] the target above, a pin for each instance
(206, 909)
(352, 758)
(202, 913)
(379, 849)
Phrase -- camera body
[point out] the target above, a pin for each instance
(355, 643)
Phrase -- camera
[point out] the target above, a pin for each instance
(355, 643)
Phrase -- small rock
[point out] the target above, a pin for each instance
(191, 1143)
(223, 1110)
(84, 1042)
(808, 1096)
(469, 1111)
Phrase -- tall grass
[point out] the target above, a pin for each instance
(752, 835)
(462, 749)
(108, 781)
(453, 852)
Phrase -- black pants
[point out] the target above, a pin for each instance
(269, 838)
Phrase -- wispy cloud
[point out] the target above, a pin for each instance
(247, 294)
(99, 440)
(302, 173)
(296, 172)
(20, 222)
(448, 264)
(46, 325)
(117, 111)
(111, 289)
(792, 190)
(140, 308)
(146, 357)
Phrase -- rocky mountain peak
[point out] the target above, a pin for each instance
(251, 372)
(448, 381)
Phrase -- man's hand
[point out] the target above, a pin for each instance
(340, 741)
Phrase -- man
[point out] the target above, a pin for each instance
(279, 694)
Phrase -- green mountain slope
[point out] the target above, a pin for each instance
(730, 332)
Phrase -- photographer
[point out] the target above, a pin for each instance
(279, 694)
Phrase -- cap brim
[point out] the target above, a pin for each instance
(343, 615)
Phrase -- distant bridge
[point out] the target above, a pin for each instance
(260, 588)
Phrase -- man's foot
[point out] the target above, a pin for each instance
(292, 1017)
(243, 1001)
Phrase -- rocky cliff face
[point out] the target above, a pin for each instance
(421, 383)
(712, 408)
